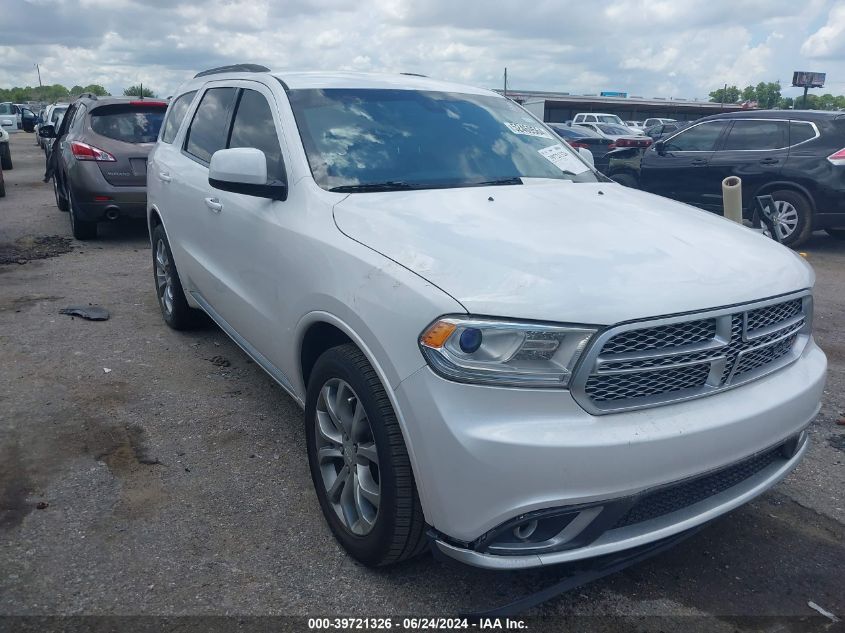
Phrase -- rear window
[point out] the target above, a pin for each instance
(128, 123)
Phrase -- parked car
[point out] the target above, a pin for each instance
(9, 117)
(498, 352)
(637, 125)
(5, 150)
(581, 137)
(795, 156)
(655, 121)
(99, 170)
(619, 134)
(53, 114)
(39, 121)
(661, 130)
(597, 117)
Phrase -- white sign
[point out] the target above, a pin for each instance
(528, 130)
(563, 159)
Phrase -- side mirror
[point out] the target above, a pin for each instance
(587, 155)
(244, 170)
(47, 131)
(660, 147)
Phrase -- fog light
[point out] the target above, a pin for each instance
(523, 531)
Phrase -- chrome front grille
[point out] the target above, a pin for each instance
(644, 364)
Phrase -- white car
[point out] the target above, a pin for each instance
(5, 150)
(604, 117)
(655, 121)
(499, 353)
(617, 132)
(9, 117)
(53, 115)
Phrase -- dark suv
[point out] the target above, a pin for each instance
(796, 156)
(98, 162)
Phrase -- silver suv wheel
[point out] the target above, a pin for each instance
(347, 456)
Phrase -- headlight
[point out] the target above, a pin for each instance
(504, 353)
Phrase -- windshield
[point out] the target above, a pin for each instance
(129, 123)
(613, 129)
(609, 118)
(376, 139)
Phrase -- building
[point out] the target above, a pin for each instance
(559, 107)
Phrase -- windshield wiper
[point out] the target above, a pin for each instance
(390, 185)
(516, 180)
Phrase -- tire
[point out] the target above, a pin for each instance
(5, 157)
(838, 234)
(395, 532)
(626, 180)
(61, 200)
(2, 186)
(169, 293)
(81, 229)
(798, 216)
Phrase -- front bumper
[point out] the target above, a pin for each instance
(484, 456)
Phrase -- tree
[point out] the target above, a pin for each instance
(732, 95)
(749, 93)
(96, 89)
(767, 94)
(786, 103)
(135, 91)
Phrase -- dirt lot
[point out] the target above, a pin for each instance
(144, 471)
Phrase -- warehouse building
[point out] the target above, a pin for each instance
(559, 107)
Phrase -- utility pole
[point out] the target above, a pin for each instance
(724, 94)
(40, 87)
(804, 102)
(506, 83)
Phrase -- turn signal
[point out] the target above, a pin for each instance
(435, 336)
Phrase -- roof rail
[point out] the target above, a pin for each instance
(234, 68)
(414, 75)
(89, 95)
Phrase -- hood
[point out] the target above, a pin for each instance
(595, 253)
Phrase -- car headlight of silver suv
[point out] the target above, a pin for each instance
(503, 352)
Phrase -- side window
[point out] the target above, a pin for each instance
(5, 108)
(756, 135)
(176, 115)
(800, 132)
(591, 118)
(253, 126)
(701, 138)
(78, 118)
(208, 129)
(578, 118)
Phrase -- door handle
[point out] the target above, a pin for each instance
(214, 204)
(699, 162)
(769, 161)
(164, 176)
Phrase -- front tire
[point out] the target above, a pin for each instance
(793, 217)
(171, 297)
(5, 157)
(359, 463)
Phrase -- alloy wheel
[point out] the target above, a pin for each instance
(347, 456)
(164, 277)
(785, 219)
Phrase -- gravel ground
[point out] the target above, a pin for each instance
(144, 471)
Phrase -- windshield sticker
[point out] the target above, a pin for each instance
(561, 158)
(528, 130)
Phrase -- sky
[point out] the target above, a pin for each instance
(667, 48)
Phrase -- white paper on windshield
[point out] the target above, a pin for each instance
(528, 130)
(563, 159)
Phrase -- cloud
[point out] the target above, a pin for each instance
(829, 41)
(645, 47)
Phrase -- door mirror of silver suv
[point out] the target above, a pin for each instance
(244, 170)
(47, 131)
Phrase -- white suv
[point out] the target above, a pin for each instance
(498, 350)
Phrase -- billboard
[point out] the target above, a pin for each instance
(805, 79)
(613, 93)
